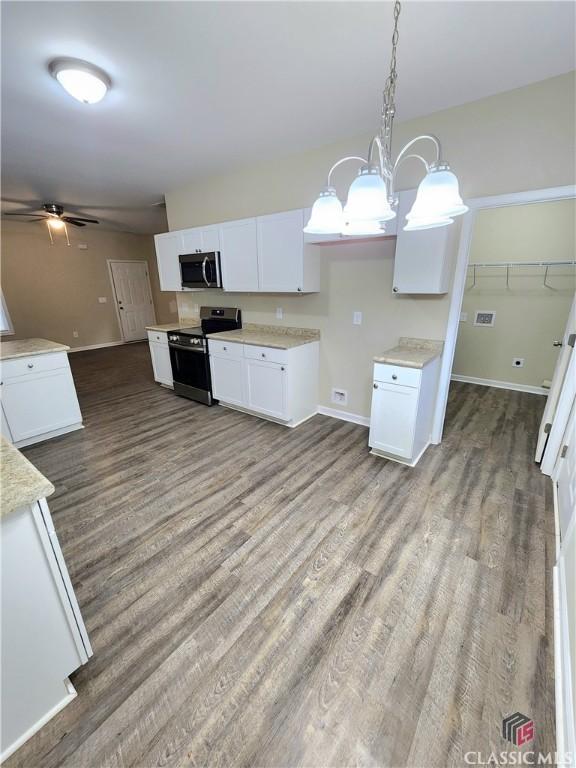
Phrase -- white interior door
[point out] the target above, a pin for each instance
(566, 351)
(133, 298)
(564, 475)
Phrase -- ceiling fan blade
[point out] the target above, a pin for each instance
(74, 222)
(32, 213)
(75, 219)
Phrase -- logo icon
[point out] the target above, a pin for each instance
(517, 729)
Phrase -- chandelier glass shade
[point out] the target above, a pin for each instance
(372, 197)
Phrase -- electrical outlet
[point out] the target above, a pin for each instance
(357, 318)
(102, 299)
(75, 334)
(518, 362)
(279, 313)
(340, 396)
(83, 246)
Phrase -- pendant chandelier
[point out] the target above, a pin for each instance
(372, 197)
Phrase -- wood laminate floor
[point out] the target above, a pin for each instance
(258, 596)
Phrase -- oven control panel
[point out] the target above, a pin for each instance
(186, 341)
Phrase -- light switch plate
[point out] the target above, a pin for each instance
(463, 317)
(279, 313)
(357, 318)
(102, 299)
(75, 334)
(83, 246)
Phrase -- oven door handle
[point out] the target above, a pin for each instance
(204, 271)
(186, 349)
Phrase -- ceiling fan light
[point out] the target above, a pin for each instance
(438, 196)
(55, 223)
(368, 197)
(326, 216)
(82, 80)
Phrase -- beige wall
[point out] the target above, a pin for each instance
(53, 290)
(500, 144)
(529, 316)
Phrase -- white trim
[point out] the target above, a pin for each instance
(48, 435)
(355, 418)
(563, 408)
(457, 294)
(397, 459)
(101, 346)
(265, 416)
(500, 384)
(558, 681)
(111, 275)
(70, 694)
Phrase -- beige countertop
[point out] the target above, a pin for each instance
(276, 336)
(173, 326)
(21, 484)
(27, 347)
(411, 353)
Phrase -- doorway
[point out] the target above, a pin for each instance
(133, 298)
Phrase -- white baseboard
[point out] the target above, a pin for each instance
(500, 384)
(355, 418)
(101, 346)
(69, 695)
(48, 435)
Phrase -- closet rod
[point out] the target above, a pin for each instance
(508, 264)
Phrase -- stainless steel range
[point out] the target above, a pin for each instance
(189, 352)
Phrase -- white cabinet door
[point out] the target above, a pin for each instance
(393, 418)
(191, 240)
(266, 388)
(168, 249)
(227, 379)
(239, 255)
(281, 251)
(421, 260)
(40, 403)
(161, 365)
(211, 238)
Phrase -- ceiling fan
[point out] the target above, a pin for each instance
(54, 212)
(53, 215)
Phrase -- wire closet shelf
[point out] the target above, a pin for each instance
(508, 265)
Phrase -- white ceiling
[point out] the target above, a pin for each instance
(199, 87)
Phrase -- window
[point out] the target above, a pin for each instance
(6, 326)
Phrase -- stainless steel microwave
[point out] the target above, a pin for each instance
(200, 270)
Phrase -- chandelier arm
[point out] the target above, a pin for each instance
(411, 143)
(339, 162)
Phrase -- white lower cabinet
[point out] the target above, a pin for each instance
(39, 398)
(266, 388)
(402, 411)
(160, 355)
(278, 384)
(228, 379)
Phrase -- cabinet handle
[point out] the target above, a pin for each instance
(282, 368)
(224, 348)
(395, 289)
(30, 365)
(394, 377)
(263, 355)
(300, 290)
(375, 386)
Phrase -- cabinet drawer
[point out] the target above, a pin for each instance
(269, 354)
(231, 349)
(23, 366)
(396, 374)
(158, 337)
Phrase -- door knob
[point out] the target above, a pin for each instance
(394, 377)
(30, 365)
(375, 386)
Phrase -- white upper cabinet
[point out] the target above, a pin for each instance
(422, 258)
(239, 255)
(281, 252)
(201, 239)
(168, 249)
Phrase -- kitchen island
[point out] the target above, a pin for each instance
(43, 634)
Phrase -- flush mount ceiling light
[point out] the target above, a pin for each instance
(371, 196)
(82, 80)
